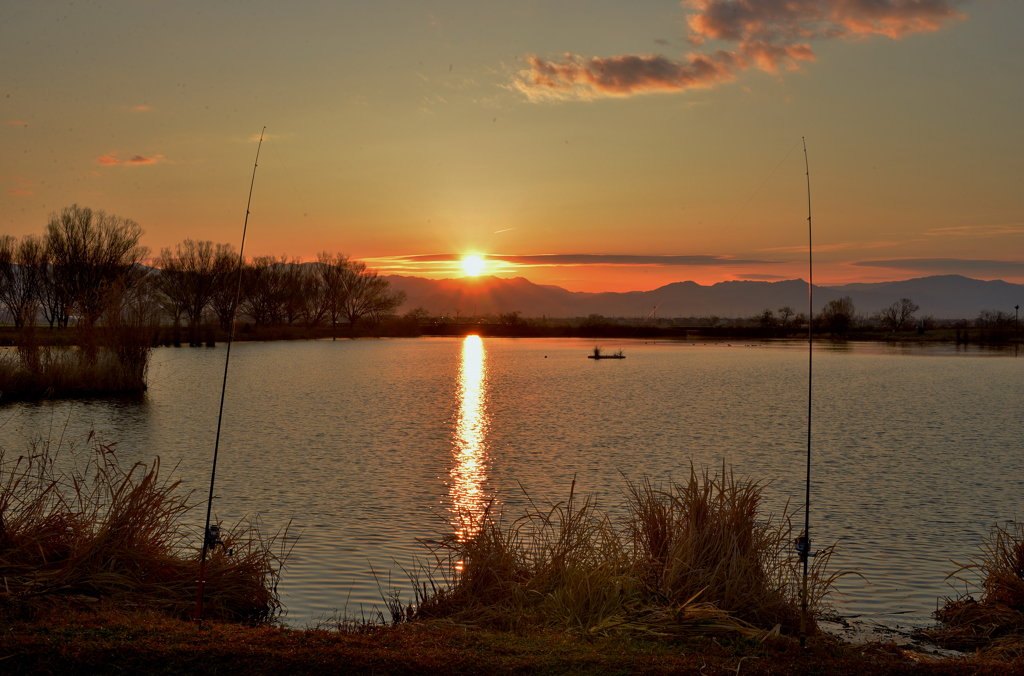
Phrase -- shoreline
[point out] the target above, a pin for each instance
(104, 641)
(164, 336)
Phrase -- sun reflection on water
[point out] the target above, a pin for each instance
(469, 470)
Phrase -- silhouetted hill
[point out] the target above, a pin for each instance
(945, 296)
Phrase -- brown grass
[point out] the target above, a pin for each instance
(995, 623)
(102, 641)
(53, 372)
(101, 532)
(692, 557)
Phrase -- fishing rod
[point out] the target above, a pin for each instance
(211, 534)
(803, 543)
(644, 320)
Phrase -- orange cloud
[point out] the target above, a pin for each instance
(142, 108)
(139, 159)
(766, 34)
(767, 56)
(21, 181)
(123, 159)
(774, 28)
(576, 77)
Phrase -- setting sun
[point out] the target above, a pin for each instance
(473, 265)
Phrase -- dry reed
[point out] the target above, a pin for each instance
(103, 533)
(995, 623)
(53, 372)
(694, 557)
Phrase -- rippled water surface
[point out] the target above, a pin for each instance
(368, 445)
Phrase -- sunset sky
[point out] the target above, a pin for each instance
(594, 145)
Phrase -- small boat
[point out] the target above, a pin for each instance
(598, 355)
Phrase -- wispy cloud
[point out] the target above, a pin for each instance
(127, 160)
(761, 278)
(22, 183)
(578, 78)
(948, 265)
(763, 34)
(840, 246)
(537, 260)
(998, 230)
(255, 138)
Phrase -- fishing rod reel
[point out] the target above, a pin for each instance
(803, 547)
(213, 539)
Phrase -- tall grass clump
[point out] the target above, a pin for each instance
(100, 532)
(691, 557)
(993, 623)
(55, 372)
(109, 359)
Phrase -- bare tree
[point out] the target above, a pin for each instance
(170, 287)
(899, 314)
(767, 320)
(53, 296)
(384, 301)
(785, 314)
(227, 291)
(90, 251)
(189, 279)
(511, 318)
(361, 291)
(314, 309)
(293, 302)
(837, 316)
(329, 268)
(263, 291)
(21, 271)
(993, 319)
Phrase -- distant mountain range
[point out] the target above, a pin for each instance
(941, 296)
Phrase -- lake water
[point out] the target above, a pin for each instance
(367, 445)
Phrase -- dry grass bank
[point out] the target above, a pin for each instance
(692, 558)
(102, 641)
(992, 624)
(83, 529)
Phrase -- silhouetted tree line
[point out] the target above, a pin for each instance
(87, 269)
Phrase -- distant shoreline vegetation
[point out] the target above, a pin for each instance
(165, 335)
(84, 309)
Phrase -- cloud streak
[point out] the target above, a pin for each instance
(536, 260)
(763, 34)
(998, 230)
(127, 160)
(946, 265)
(23, 189)
(579, 78)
